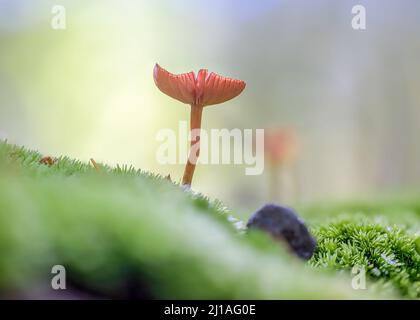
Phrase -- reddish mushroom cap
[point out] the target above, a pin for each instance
(204, 89)
(281, 145)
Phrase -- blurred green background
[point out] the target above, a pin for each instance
(352, 97)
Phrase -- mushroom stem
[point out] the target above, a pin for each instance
(195, 127)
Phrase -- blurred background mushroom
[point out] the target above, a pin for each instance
(281, 149)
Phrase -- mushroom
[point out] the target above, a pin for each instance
(198, 91)
(280, 145)
(280, 149)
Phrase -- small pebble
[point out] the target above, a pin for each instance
(283, 224)
(49, 161)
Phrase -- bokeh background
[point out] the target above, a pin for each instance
(351, 98)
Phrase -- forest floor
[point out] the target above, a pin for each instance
(124, 233)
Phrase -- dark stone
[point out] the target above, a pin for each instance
(283, 224)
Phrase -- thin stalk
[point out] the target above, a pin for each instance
(273, 182)
(195, 125)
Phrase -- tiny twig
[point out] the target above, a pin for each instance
(95, 165)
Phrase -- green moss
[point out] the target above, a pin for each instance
(120, 225)
(417, 243)
(387, 253)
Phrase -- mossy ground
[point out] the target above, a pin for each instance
(122, 232)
